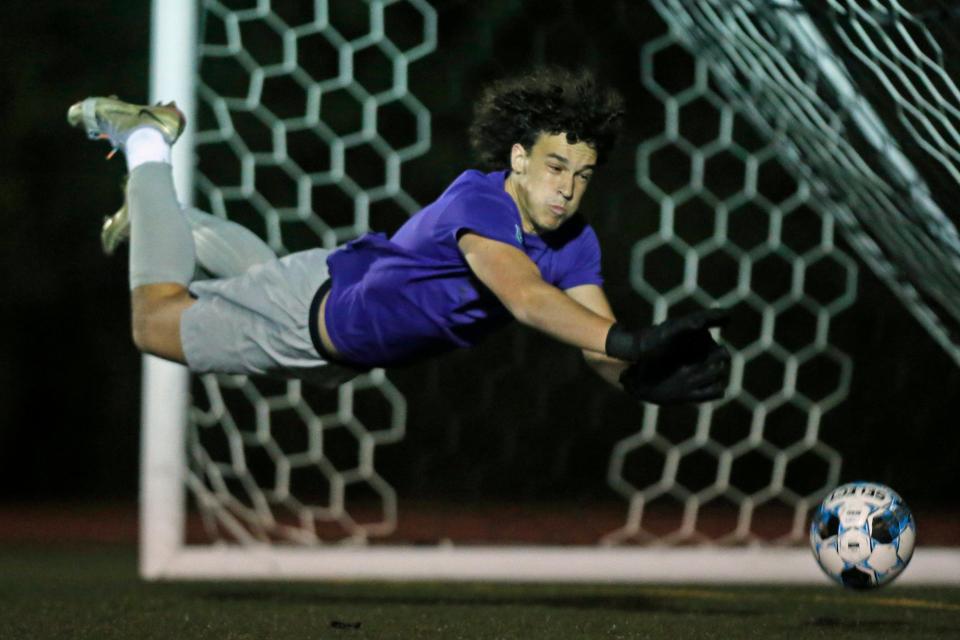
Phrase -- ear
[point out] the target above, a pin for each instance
(518, 159)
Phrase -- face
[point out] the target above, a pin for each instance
(548, 182)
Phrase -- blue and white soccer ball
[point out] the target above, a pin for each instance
(863, 535)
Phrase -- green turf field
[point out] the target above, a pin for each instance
(94, 593)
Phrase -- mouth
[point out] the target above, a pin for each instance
(557, 209)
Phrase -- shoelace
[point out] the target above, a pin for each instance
(113, 151)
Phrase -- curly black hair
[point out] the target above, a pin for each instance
(548, 100)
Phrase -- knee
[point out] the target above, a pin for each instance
(145, 325)
(142, 327)
(155, 319)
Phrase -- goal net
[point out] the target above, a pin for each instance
(317, 122)
(861, 95)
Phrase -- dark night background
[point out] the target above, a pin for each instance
(70, 376)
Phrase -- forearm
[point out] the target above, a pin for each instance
(517, 283)
(606, 367)
(547, 309)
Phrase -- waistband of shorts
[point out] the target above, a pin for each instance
(314, 324)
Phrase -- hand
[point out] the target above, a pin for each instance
(688, 333)
(675, 381)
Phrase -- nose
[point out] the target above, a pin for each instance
(566, 188)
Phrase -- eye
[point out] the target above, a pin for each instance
(554, 168)
(585, 177)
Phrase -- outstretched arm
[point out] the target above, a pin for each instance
(516, 281)
(592, 297)
(675, 361)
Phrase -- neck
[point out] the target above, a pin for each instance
(512, 188)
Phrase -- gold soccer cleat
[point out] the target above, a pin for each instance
(115, 230)
(114, 120)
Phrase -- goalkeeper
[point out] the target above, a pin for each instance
(493, 247)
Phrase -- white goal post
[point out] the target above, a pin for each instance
(166, 555)
(165, 395)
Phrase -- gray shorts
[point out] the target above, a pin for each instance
(258, 323)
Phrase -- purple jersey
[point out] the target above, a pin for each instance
(397, 300)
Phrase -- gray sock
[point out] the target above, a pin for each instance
(161, 245)
(225, 249)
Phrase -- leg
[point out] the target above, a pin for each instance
(163, 256)
(156, 310)
(225, 249)
(166, 244)
(162, 259)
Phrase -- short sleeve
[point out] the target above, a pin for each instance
(582, 261)
(484, 214)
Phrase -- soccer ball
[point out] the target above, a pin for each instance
(862, 535)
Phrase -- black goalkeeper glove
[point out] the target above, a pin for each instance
(679, 361)
(653, 343)
(676, 380)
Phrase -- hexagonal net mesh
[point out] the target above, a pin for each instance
(734, 230)
(878, 154)
(862, 95)
(306, 122)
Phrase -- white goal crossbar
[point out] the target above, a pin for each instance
(707, 565)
